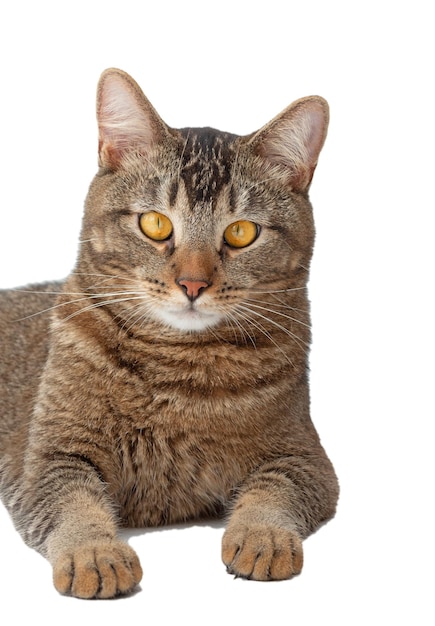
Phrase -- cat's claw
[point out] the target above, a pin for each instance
(98, 570)
(262, 552)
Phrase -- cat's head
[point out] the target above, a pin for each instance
(197, 228)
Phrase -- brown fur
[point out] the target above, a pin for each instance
(132, 403)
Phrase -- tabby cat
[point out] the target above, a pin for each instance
(166, 378)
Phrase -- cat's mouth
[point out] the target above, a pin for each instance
(189, 318)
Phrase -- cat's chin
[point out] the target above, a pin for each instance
(189, 321)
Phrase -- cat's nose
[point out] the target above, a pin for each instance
(193, 288)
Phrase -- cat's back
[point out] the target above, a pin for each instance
(24, 330)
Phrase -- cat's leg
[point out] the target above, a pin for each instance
(63, 511)
(87, 557)
(277, 507)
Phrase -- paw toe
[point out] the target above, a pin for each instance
(98, 571)
(262, 553)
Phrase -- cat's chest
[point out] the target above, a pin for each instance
(182, 429)
(189, 390)
(170, 477)
(182, 448)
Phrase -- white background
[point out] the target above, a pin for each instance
(234, 65)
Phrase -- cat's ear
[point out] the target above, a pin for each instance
(290, 144)
(126, 119)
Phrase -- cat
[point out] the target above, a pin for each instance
(166, 379)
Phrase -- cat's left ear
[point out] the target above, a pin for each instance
(290, 144)
(126, 119)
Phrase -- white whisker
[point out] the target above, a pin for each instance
(280, 299)
(97, 305)
(262, 330)
(289, 317)
(281, 304)
(54, 307)
(139, 314)
(297, 339)
(107, 277)
(231, 319)
(114, 297)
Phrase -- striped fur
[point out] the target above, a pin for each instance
(123, 403)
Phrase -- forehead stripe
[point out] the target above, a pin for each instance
(206, 164)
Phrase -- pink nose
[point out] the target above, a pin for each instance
(193, 288)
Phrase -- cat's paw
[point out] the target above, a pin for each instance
(101, 570)
(262, 552)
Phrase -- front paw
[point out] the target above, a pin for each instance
(261, 552)
(101, 570)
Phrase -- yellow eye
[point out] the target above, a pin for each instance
(241, 234)
(156, 226)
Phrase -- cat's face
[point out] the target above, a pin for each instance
(196, 228)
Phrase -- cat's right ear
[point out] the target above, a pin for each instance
(126, 119)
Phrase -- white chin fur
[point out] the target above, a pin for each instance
(189, 320)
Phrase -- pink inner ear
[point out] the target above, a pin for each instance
(317, 127)
(122, 119)
(294, 141)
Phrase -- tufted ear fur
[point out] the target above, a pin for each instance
(290, 144)
(126, 119)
